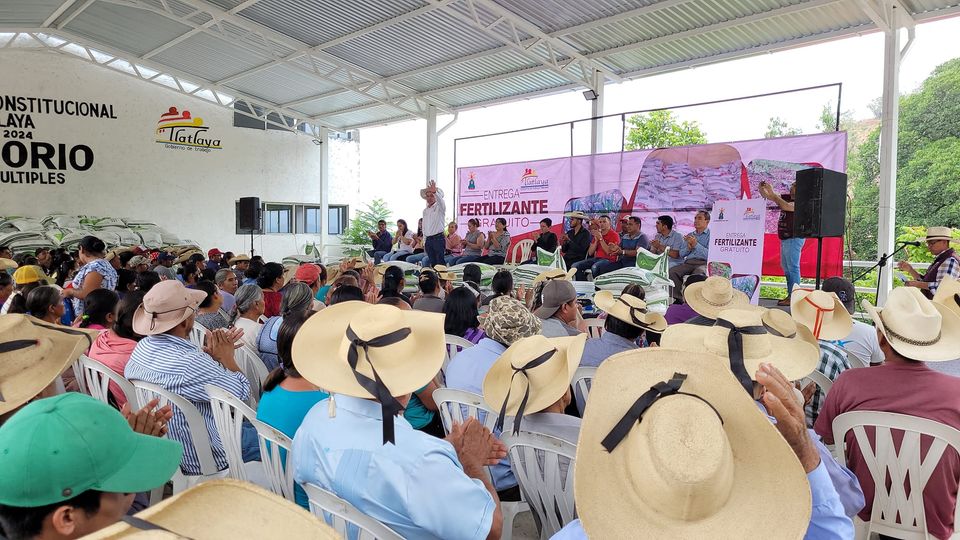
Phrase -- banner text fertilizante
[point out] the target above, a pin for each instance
(538, 206)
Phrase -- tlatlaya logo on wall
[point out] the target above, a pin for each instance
(180, 130)
(530, 182)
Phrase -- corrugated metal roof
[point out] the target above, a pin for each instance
(350, 63)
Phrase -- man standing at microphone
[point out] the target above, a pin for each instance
(790, 247)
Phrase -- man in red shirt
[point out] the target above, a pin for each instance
(912, 331)
(602, 247)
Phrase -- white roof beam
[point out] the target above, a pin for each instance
(59, 11)
(72, 16)
(187, 35)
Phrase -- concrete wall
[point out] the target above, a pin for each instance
(188, 190)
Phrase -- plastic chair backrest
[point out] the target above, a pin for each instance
(821, 380)
(197, 334)
(275, 456)
(199, 436)
(455, 406)
(521, 251)
(595, 326)
(582, 380)
(228, 415)
(882, 459)
(543, 466)
(99, 379)
(344, 517)
(855, 361)
(454, 345)
(78, 375)
(255, 371)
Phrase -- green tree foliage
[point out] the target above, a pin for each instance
(661, 129)
(365, 220)
(828, 119)
(777, 127)
(928, 164)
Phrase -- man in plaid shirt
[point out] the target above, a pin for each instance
(946, 262)
(833, 360)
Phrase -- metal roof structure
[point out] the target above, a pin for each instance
(346, 64)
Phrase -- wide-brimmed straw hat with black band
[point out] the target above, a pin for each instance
(220, 510)
(740, 338)
(555, 273)
(33, 354)
(631, 310)
(713, 295)
(948, 294)
(531, 375)
(670, 448)
(916, 327)
(371, 352)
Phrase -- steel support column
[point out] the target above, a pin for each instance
(432, 143)
(596, 125)
(324, 149)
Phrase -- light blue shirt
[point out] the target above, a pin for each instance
(827, 521)
(466, 372)
(416, 487)
(674, 240)
(702, 248)
(596, 350)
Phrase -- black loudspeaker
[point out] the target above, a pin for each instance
(820, 206)
(248, 215)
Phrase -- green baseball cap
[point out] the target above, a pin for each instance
(56, 448)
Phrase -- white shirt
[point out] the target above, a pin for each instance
(250, 331)
(405, 248)
(862, 342)
(434, 216)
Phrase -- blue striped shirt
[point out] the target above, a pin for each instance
(183, 368)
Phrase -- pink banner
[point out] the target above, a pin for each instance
(649, 183)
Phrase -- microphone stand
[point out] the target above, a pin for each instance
(879, 265)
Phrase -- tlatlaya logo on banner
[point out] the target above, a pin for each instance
(749, 214)
(530, 182)
(179, 130)
(472, 184)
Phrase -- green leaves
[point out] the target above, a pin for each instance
(661, 129)
(366, 220)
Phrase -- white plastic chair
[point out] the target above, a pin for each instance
(199, 436)
(228, 415)
(595, 326)
(538, 462)
(454, 407)
(275, 456)
(520, 252)
(820, 380)
(98, 378)
(78, 375)
(454, 345)
(255, 371)
(855, 361)
(197, 334)
(344, 517)
(882, 459)
(582, 380)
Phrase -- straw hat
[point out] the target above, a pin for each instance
(371, 352)
(704, 463)
(442, 274)
(713, 295)
(821, 312)
(508, 321)
(243, 257)
(7, 264)
(939, 233)
(167, 304)
(631, 310)
(948, 294)
(33, 354)
(917, 328)
(780, 324)
(555, 273)
(223, 510)
(183, 257)
(794, 357)
(576, 214)
(545, 368)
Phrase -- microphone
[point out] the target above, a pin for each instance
(914, 243)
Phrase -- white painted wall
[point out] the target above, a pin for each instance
(190, 193)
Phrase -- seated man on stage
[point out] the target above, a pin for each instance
(575, 242)
(543, 239)
(603, 250)
(693, 253)
(667, 240)
(630, 240)
(945, 264)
